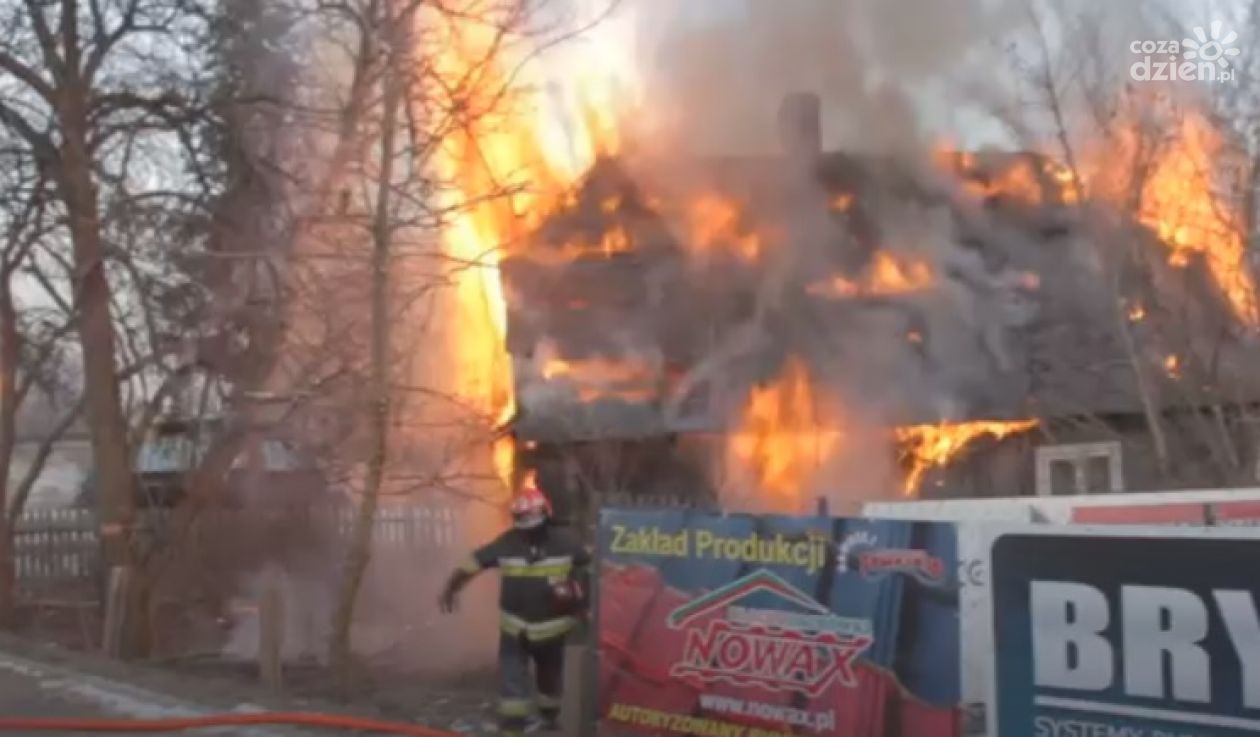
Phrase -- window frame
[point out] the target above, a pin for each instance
(1079, 455)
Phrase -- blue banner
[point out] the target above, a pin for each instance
(758, 626)
(1121, 635)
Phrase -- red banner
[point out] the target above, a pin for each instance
(1146, 514)
(1233, 514)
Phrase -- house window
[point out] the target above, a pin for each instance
(1085, 468)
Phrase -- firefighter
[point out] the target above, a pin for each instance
(541, 597)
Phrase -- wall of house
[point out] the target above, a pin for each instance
(576, 475)
(1103, 455)
(986, 469)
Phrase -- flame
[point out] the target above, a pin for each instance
(521, 140)
(1018, 182)
(1172, 366)
(1181, 204)
(504, 459)
(1137, 312)
(614, 240)
(1069, 187)
(1021, 180)
(842, 202)
(602, 378)
(783, 438)
(714, 222)
(886, 276)
(934, 446)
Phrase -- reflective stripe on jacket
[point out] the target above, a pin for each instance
(536, 631)
(531, 564)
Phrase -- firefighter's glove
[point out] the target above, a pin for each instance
(570, 596)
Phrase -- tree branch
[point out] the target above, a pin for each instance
(27, 75)
(47, 43)
(104, 42)
(18, 502)
(44, 150)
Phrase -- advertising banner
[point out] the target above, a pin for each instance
(760, 626)
(1150, 633)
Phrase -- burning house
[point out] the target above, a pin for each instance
(772, 329)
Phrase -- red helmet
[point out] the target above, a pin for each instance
(530, 508)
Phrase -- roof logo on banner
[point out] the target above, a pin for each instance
(774, 649)
(719, 598)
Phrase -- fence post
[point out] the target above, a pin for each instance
(586, 655)
(271, 638)
(117, 593)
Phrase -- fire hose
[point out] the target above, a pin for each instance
(292, 719)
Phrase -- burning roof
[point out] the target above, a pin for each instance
(613, 293)
(709, 288)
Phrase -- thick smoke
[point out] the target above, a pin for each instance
(714, 82)
(868, 63)
(713, 89)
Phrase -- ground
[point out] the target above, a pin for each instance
(38, 680)
(25, 695)
(39, 688)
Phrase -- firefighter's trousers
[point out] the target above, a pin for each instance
(518, 699)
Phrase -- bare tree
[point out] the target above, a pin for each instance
(101, 95)
(30, 350)
(1175, 319)
(394, 37)
(419, 102)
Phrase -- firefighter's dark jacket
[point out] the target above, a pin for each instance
(530, 563)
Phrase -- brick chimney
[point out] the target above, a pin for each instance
(800, 125)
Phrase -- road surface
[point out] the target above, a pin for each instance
(30, 688)
(25, 695)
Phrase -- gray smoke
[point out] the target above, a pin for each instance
(714, 90)
(722, 76)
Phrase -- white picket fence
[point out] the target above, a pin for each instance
(62, 545)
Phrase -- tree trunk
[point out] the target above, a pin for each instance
(360, 550)
(10, 348)
(106, 423)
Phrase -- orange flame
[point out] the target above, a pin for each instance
(1180, 202)
(614, 240)
(714, 222)
(601, 378)
(783, 438)
(842, 202)
(886, 276)
(511, 158)
(1020, 180)
(926, 447)
(1172, 366)
(1069, 187)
